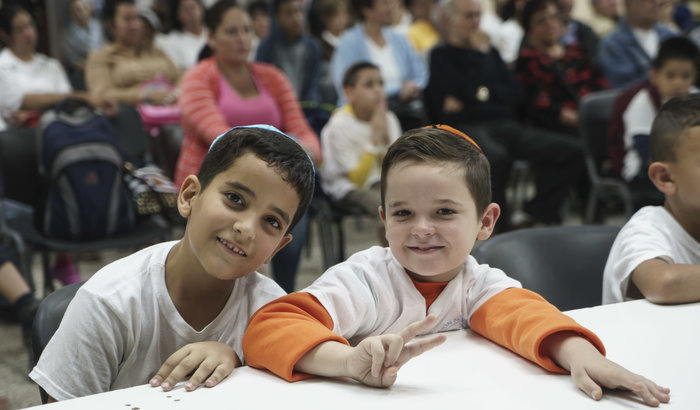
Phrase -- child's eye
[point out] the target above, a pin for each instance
(445, 211)
(274, 222)
(402, 212)
(235, 198)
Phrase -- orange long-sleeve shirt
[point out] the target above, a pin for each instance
(284, 330)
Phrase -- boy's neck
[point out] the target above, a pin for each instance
(198, 297)
(687, 218)
(359, 114)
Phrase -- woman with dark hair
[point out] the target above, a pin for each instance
(120, 68)
(226, 90)
(553, 76)
(32, 81)
(184, 42)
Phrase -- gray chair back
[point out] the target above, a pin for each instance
(564, 264)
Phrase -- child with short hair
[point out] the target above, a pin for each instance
(673, 73)
(356, 319)
(656, 255)
(356, 137)
(252, 188)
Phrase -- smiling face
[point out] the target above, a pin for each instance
(431, 219)
(238, 222)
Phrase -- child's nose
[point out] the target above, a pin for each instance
(245, 228)
(423, 227)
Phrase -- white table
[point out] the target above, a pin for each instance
(468, 371)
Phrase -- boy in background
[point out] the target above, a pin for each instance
(673, 73)
(356, 319)
(356, 138)
(253, 186)
(656, 255)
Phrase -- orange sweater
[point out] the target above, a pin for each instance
(284, 330)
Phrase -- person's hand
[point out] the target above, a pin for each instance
(479, 40)
(211, 362)
(568, 117)
(409, 91)
(378, 125)
(377, 359)
(451, 105)
(108, 106)
(160, 96)
(590, 370)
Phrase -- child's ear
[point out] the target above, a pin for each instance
(653, 76)
(381, 215)
(488, 221)
(283, 242)
(660, 175)
(189, 190)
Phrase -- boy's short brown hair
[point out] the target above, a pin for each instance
(673, 119)
(434, 145)
(351, 74)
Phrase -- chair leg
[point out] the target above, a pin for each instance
(592, 204)
(48, 280)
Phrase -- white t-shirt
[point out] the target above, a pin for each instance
(344, 140)
(122, 325)
(508, 40)
(637, 120)
(182, 47)
(40, 75)
(372, 294)
(648, 39)
(384, 58)
(652, 232)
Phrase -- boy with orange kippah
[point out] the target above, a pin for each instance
(357, 318)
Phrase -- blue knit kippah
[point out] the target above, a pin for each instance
(269, 128)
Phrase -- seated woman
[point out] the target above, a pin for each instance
(226, 90)
(36, 81)
(120, 68)
(553, 76)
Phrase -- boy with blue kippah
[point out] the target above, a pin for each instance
(356, 320)
(253, 186)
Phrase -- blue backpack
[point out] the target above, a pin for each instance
(81, 165)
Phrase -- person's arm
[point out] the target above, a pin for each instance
(98, 80)
(663, 282)
(614, 60)
(198, 103)
(528, 325)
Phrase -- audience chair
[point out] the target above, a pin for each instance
(595, 110)
(20, 184)
(564, 264)
(46, 321)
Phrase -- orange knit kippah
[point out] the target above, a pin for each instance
(455, 132)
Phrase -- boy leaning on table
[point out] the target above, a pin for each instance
(357, 318)
(253, 186)
(656, 255)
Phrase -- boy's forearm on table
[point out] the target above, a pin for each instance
(327, 359)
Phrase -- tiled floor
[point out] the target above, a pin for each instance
(19, 392)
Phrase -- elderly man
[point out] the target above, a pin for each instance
(471, 88)
(626, 54)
